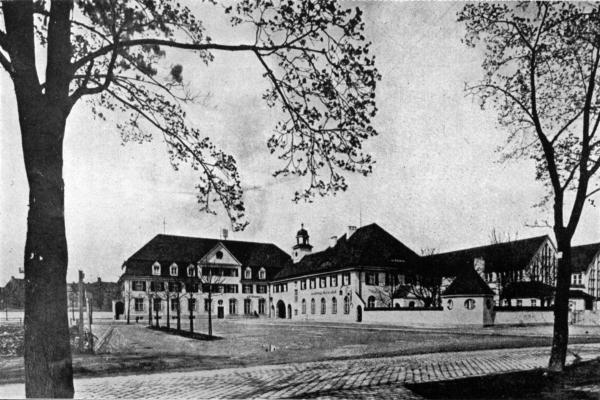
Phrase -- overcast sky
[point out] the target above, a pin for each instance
(437, 183)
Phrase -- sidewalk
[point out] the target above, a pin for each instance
(373, 377)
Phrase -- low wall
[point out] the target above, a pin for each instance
(587, 317)
(523, 317)
(420, 317)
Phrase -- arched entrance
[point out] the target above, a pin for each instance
(280, 309)
(119, 309)
(358, 314)
(289, 314)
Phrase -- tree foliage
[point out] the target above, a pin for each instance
(313, 54)
(540, 64)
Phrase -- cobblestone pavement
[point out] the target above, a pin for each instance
(356, 378)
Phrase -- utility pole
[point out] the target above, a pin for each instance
(80, 298)
(89, 310)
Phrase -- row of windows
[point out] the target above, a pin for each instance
(140, 286)
(214, 271)
(333, 281)
(192, 305)
(323, 308)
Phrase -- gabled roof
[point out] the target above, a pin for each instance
(184, 250)
(582, 256)
(468, 283)
(500, 257)
(370, 245)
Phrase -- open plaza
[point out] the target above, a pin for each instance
(278, 359)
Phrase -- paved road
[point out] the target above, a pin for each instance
(355, 378)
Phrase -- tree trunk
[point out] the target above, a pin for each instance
(150, 310)
(168, 310)
(560, 339)
(47, 352)
(178, 313)
(209, 313)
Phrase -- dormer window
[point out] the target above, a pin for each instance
(262, 274)
(173, 269)
(156, 269)
(191, 270)
(248, 273)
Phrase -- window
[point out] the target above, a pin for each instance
(346, 279)
(323, 305)
(246, 288)
(313, 283)
(174, 287)
(346, 305)
(219, 255)
(248, 273)
(469, 304)
(449, 304)
(174, 304)
(506, 302)
(372, 278)
(191, 270)
(138, 286)
(296, 295)
(191, 287)
(322, 282)
(303, 306)
(156, 304)
(174, 270)
(284, 287)
(231, 288)
(156, 269)
(191, 304)
(207, 305)
(303, 284)
(157, 286)
(411, 304)
(261, 288)
(533, 303)
(138, 304)
(371, 302)
(262, 274)
(312, 306)
(334, 306)
(261, 306)
(232, 306)
(519, 303)
(247, 306)
(333, 281)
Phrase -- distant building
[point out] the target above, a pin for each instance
(585, 276)
(13, 293)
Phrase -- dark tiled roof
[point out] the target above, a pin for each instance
(183, 250)
(370, 245)
(582, 256)
(468, 283)
(580, 294)
(536, 290)
(500, 257)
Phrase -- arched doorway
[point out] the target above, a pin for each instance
(119, 309)
(358, 314)
(289, 314)
(280, 309)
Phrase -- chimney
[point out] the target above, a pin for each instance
(225, 234)
(332, 241)
(351, 230)
(99, 280)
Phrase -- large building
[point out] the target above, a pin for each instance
(365, 269)
(172, 273)
(360, 270)
(520, 272)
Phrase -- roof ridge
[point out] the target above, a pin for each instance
(489, 245)
(207, 238)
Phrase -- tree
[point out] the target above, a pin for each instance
(315, 59)
(191, 287)
(541, 75)
(209, 280)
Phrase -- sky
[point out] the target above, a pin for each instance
(438, 182)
